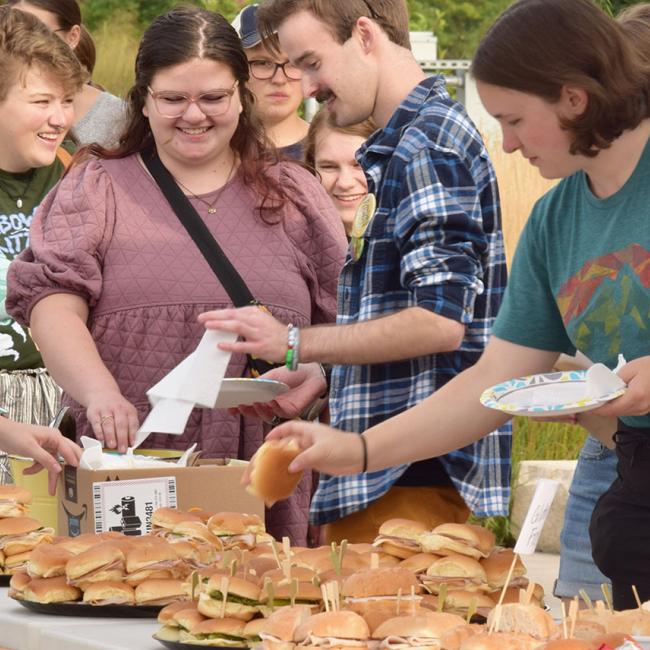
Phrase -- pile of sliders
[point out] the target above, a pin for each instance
(115, 569)
(19, 533)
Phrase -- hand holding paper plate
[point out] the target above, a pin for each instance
(555, 393)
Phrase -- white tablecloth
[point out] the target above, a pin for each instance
(22, 629)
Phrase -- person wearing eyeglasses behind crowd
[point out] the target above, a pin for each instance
(330, 151)
(276, 85)
(112, 284)
(99, 115)
(39, 80)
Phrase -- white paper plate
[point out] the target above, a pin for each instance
(243, 391)
(545, 395)
(643, 641)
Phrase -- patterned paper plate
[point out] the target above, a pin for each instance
(545, 395)
(239, 391)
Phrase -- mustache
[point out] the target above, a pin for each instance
(324, 96)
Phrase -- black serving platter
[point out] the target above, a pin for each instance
(95, 611)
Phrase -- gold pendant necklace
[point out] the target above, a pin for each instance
(211, 208)
(19, 199)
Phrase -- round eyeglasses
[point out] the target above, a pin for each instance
(213, 103)
(262, 69)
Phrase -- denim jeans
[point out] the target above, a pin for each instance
(595, 472)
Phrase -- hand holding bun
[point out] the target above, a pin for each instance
(270, 478)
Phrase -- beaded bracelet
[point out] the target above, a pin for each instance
(293, 341)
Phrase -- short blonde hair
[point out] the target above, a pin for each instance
(26, 42)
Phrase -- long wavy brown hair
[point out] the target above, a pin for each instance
(177, 37)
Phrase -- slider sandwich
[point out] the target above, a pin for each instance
(195, 555)
(14, 501)
(280, 627)
(146, 562)
(284, 594)
(21, 534)
(242, 598)
(236, 529)
(193, 531)
(109, 592)
(17, 585)
(340, 630)
(171, 626)
(461, 602)
(464, 539)
(419, 563)
(48, 561)
(381, 588)
(423, 632)
(524, 619)
(455, 572)
(399, 537)
(270, 479)
(50, 590)
(500, 641)
(163, 520)
(221, 632)
(497, 566)
(160, 592)
(102, 562)
(252, 631)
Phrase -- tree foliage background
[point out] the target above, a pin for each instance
(458, 24)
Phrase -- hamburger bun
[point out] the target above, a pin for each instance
(383, 581)
(166, 614)
(399, 537)
(194, 531)
(50, 590)
(17, 562)
(101, 558)
(424, 630)
(17, 584)
(497, 566)
(109, 593)
(81, 543)
(216, 632)
(630, 621)
(343, 624)
(242, 600)
(48, 561)
(456, 572)
(160, 592)
(525, 619)
(499, 641)
(420, 562)
(14, 500)
(282, 624)
(464, 539)
(164, 519)
(270, 479)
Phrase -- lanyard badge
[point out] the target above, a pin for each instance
(362, 217)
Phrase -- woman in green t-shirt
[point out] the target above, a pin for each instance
(572, 94)
(40, 77)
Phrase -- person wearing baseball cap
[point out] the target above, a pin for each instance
(276, 86)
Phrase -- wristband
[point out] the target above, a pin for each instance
(293, 341)
(364, 446)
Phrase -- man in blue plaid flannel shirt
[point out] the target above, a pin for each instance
(423, 281)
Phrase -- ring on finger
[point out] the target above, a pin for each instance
(276, 420)
(104, 418)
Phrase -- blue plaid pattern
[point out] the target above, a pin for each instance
(435, 242)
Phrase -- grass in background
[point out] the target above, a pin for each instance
(535, 440)
(117, 45)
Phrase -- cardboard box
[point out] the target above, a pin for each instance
(93, 501)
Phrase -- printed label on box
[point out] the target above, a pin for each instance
(127, 506)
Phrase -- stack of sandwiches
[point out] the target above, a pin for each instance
(19, 533)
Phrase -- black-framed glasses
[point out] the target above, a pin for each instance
(262, 69)
(170, 103)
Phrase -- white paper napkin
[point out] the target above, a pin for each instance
(94, 458)
(601, 381)
(195, 381)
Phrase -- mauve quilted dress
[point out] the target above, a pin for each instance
(107, 234)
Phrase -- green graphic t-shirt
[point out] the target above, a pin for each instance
(17, 351)
(581, 274)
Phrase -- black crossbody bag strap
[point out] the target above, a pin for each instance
(226, 273)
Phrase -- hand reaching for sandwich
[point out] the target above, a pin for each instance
(43, 444)
(322, 448)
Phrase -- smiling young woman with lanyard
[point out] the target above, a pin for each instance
(40, 78)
